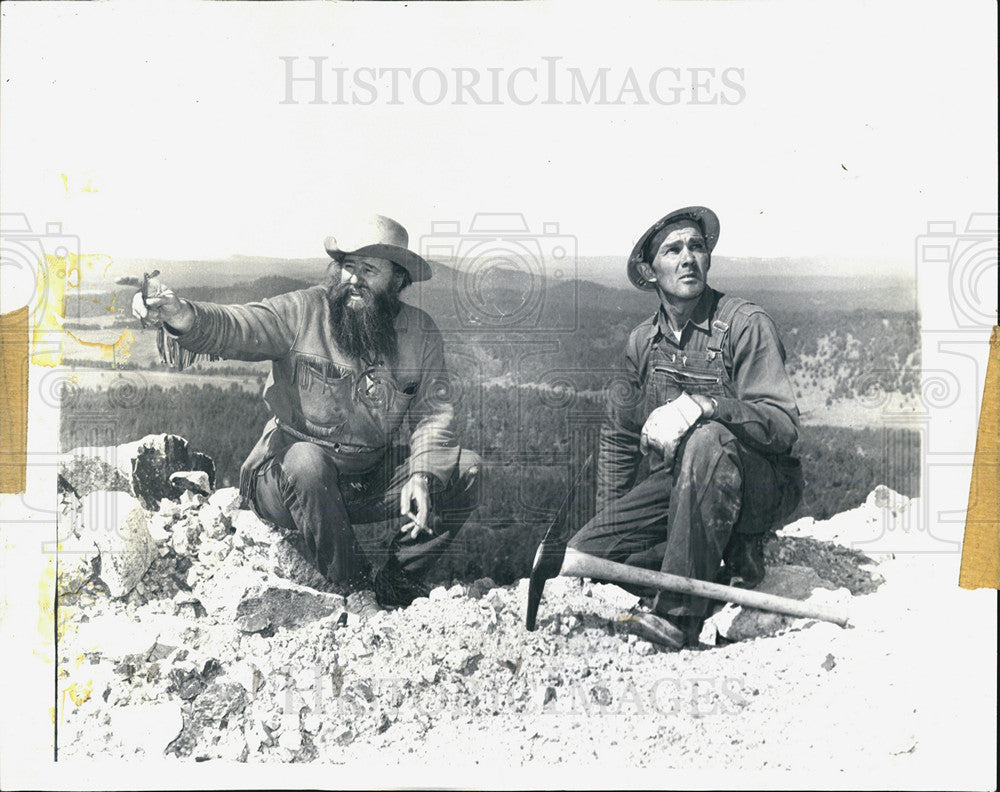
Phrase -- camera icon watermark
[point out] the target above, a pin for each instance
(34, 267)
(956, 268)
(504, 277)
(964, 265)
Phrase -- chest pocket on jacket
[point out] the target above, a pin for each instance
(696, 372)
(324, 391)
(386, 400)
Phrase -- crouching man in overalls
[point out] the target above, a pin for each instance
(709, 400)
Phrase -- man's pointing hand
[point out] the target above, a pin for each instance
(161, 304)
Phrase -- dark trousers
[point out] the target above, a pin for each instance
(682, 521)
(302, 490)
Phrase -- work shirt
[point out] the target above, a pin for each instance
(746, 377)
(317, 393)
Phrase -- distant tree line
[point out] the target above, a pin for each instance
(533, 442)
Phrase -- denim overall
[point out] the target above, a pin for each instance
(699, 369)
(681, 518)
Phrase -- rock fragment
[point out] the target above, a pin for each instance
(88, 469)
(253, 623)
(208, 716)
(117, 523)
(79, 563)
(438, 593)
(462, 661)
(736, 623)
(481, 587)
(286, 605)
(195, 481)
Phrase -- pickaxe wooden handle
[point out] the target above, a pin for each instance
(577, 564)
(554, 558)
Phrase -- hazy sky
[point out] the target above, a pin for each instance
(848, 125)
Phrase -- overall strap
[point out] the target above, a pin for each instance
(725, 310)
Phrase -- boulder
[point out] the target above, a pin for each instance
(203, 462)
(116, 522)
(736, 623)
(142, 468)
(222, 592)
(153, 459)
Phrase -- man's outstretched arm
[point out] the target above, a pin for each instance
(255, 331)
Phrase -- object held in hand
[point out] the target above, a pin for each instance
(147, 276)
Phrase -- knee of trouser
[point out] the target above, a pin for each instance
(710, 449)
(305, 466)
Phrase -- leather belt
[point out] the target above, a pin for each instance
(339, 447)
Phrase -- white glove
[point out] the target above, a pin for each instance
(667, 425)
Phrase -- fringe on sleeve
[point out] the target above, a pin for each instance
(174, 355)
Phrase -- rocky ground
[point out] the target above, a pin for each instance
(198, 632)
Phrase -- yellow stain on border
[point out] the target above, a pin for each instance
(56, 275)
(46, 603)
(88, 185)
(80, 692)
(113, 353)
(46, 337)
(48, 629)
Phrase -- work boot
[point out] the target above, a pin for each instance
(690, 627)
(744, 564)
(655, 629)
(395, 589)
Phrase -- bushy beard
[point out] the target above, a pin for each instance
(364, 330)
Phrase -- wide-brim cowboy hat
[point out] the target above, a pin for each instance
(704, 217)
(381, 237)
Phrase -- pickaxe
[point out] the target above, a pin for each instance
(554, 558)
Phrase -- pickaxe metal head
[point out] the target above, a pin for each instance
(551, 552)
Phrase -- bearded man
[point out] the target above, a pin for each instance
(708, 399)
(350, 361)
